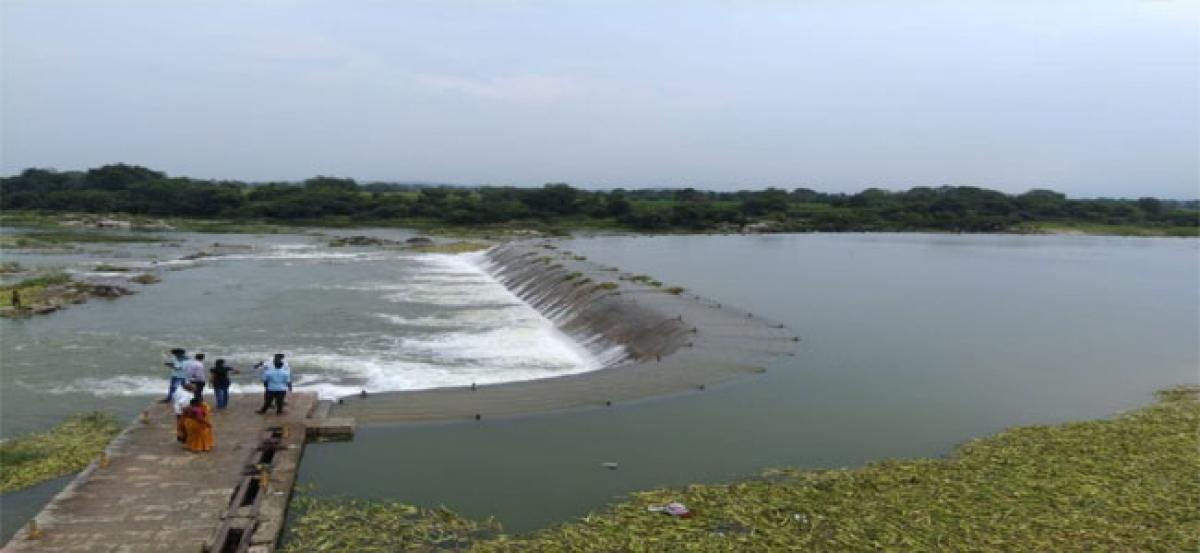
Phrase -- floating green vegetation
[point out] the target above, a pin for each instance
(675, 290)
(146, 278)
(606, 286)
(583, 282)
(579, 257)
(1122, 484)
(324, 524)
(542, 259)
(66, 448)
(106, 268)
(644, 279)
(451, 247)
(573, 276)
(550, 246)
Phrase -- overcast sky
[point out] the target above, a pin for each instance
(1094, 98)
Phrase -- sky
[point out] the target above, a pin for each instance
(1092, 98)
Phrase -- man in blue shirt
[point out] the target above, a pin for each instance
(277, 379)
(178, 371)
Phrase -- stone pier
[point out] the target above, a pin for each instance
(148, 493)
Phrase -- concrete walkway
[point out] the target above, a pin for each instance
(153, 495)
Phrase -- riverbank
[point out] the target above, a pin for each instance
(1124, 483)
(560, 226)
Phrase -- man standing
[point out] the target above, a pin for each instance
(178, 372)
(196, 375)
(277, 379)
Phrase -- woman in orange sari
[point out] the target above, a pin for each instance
(197, 426)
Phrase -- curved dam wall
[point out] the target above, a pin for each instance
(651, 339)
(595, 312)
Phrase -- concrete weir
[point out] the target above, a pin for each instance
(147, 493)
(656, 341)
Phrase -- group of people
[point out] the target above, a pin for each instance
(193, 417)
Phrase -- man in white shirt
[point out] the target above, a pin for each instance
(196, 375)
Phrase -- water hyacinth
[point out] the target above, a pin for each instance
(66, 448)
(1124, 484)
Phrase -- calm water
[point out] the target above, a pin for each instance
(912, 344)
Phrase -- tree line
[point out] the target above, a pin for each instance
(132, 189)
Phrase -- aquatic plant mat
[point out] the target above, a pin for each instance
(66, 448)
(1130, 483)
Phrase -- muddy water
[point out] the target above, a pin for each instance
(912, 343)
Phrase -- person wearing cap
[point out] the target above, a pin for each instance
(178, 372)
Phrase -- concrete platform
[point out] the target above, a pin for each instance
(151, 494)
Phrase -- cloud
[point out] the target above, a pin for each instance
(521, 88)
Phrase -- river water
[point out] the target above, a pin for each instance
(911, 344)
(348, 319)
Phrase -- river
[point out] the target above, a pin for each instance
(912, 343)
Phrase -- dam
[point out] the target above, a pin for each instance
(656, 341)
(145, 494)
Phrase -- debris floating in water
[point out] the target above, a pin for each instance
(610, 465)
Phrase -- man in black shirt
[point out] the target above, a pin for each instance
(220, 381)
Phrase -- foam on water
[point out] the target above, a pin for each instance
(471, 329)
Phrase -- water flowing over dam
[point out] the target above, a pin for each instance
(648, 340)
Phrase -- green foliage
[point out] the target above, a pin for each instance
(556, 207)
(1123, 484)
(66, 448)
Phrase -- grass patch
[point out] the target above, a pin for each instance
(30, 290)
(1054, 227)
(66, 448)
(644, 279)
(146, 278)
(1122, 484)
(451, 247)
